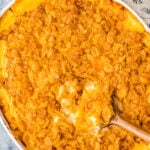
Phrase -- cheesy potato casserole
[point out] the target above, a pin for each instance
(60, 63)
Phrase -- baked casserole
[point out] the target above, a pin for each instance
(60, 63)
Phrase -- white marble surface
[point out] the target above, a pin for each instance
(5, 4)
(141, 6)
(5, 142)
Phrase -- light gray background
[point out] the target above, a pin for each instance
(143, 9)
(5, 141)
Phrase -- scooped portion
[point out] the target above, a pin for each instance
(60, 63)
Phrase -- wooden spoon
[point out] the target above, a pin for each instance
(118, 120)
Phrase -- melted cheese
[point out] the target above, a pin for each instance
(3, 60)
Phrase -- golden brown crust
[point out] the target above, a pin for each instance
(64, 60)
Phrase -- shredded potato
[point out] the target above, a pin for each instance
(60, 63)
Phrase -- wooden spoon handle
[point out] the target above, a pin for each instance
(117, 120)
